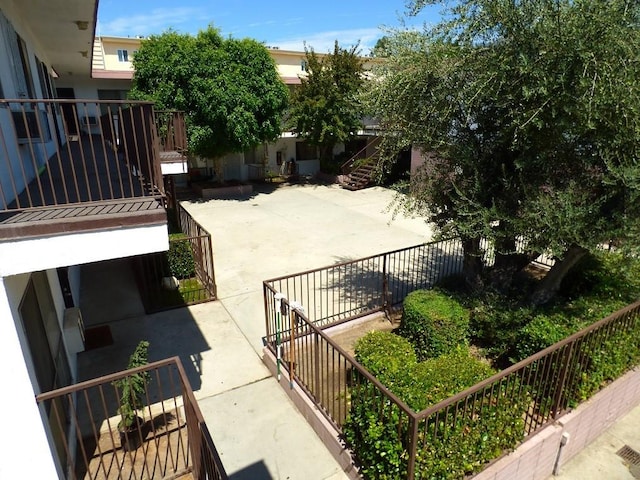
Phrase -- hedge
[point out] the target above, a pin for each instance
(433, 322)
(378, 431)
(180, 256)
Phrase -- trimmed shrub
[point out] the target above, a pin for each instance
(495, 323)
(434, 323)
(456, 446)
(378, 431)
(542, 332)
(180, 257)
(437, 379)
(384, 353)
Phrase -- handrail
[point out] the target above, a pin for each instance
(71, 151)
(81, 418)
(354, 157)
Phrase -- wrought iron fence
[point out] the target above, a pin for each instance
(527, 396)
(348, 290)
(171, 439)
(193, 253)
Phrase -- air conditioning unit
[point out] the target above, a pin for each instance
(31, 125)
(73, 328)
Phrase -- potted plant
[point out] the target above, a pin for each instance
(132, 395)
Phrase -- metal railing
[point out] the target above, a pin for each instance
(347, 166)
(348, 290)
(154, 269)
(529, 395)
(171, 439)
(171, 130)
(59, 152)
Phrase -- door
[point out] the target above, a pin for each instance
(68, 111)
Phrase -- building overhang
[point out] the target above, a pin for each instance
(64, 30)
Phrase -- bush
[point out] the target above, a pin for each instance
(495, 322)
(378, 431)
(433, 322)
(542, 332)
(437, 379)
(607, 360)
(180, 257)
(384, 353)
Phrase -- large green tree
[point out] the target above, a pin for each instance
(230, 89)
(326, 108)
(528, 115)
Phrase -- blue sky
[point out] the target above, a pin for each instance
(282, 24)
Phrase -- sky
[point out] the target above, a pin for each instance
(286, 25)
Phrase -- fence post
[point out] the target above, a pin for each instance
(413, 447)
(385, 286)
(316, 366)
(568, 357)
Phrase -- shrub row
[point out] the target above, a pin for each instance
(510, 329)
(378, 431)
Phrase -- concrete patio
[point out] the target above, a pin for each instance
(257, 430)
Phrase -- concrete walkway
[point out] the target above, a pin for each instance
(599, 460)
(258, 431)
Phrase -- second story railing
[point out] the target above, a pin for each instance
(171, 131)
(61, 152)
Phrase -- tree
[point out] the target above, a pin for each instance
(326, 107)
(528, 113)
(229, 88)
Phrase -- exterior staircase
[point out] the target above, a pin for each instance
(358, 172)
(361, 176)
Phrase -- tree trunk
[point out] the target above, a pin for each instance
(472, 263)
(550, 284)
(326, 152)
(508, 264)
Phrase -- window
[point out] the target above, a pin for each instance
(306, 151)
(304, 66)
(123, 55)
(26, 66)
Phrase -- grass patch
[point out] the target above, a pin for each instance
(191, 290)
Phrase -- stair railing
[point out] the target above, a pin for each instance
(347, 167)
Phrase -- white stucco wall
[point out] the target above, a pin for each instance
(25, 438)
(31, 255)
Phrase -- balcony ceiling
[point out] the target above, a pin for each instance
(65, 30)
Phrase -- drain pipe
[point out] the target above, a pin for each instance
(563, 441)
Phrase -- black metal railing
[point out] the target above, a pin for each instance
(348, 290)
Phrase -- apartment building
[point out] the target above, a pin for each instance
(80, 182)
(112, 63)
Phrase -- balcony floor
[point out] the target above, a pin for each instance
(86, 185)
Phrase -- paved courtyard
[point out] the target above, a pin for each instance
(258, 431)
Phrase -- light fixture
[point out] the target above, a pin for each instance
(82, 24)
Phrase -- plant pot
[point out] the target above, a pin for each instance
(131, 438)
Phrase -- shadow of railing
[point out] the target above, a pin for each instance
(354, 288)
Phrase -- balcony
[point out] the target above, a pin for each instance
(77, 165)
(171, 439)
